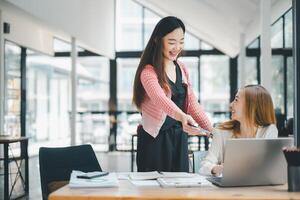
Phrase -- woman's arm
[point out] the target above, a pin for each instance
(195, 109)
(213, 157)
(197, 112)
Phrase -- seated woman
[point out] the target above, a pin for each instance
(252, 116)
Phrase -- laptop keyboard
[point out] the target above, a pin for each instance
(216, 180)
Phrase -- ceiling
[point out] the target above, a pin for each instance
(219, 22)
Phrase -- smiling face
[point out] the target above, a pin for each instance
(173, 44)
(238, 106)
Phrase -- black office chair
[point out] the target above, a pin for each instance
(288, 128)
(56, 165)
(280, 118)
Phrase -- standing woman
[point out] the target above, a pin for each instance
(163, 94)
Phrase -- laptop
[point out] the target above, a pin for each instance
(253, 162)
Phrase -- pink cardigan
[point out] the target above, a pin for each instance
(157, 104)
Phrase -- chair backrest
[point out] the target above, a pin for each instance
(56, 164)
(288, 128)
(197, 158)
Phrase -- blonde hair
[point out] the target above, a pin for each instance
(259, 109)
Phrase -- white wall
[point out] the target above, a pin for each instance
(26, 30)
(91, 22)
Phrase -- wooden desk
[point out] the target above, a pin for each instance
(129, 192)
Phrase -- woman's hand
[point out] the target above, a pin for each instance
(217, 170)
(190, 126)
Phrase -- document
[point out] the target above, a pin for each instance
(179, 182)
(145, 183)
(155, 175)
(109, 180)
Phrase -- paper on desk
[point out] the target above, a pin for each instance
(104, 181)
(179, 182)
(143, 183)
(123, 175)
(155, 174)
(195, 181)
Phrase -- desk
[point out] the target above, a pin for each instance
(128, 191)
(6, 141)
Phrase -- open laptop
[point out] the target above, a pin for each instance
(250, 162)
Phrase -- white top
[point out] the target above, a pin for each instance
(216, 151)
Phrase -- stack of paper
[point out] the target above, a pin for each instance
(155, 175)
(109, 180)
(180, 182)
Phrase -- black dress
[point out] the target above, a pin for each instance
(169, 150)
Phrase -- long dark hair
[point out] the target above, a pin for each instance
(153, 55)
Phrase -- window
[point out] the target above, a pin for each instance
(288, 29)
(214, 84)
(277, 91)
(12, 112)
(254, 44)
(191, 42)
(290, 87)
(93, 83)
(205, 46)
(251, 70)
(62, 46)
(48, 99)
(128, 26)
(92, 98)
(192, 63)
(277, 34)
(150, 21)
(126, 72)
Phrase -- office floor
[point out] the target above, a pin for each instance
(112, 161)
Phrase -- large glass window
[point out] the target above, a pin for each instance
(205, 46)
(192, 64)
(277, 90)
(93, 96)
(128, 26)
(288, 29)
(215, 87)
(191, 42)
(277, 34)
(150, 20)
(62, 46)
(127, 123)
(48, 100)
(126, 72)
(93, 83)
(290, 87)
(251, 70)
(12, 107)
(254, 44)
